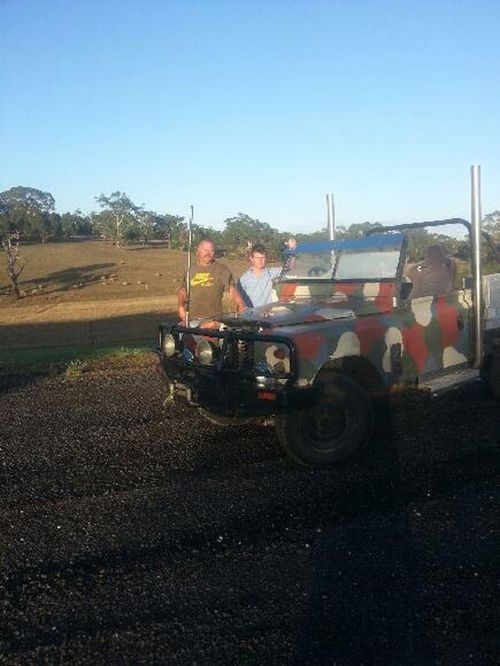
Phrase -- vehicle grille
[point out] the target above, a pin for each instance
(238, 354)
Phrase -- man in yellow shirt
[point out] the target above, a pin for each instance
(209, 280)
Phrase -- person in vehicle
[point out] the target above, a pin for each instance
(256, 284)
(289, 259)
(208, 282)
(434, 275)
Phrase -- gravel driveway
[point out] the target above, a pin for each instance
(136, 533)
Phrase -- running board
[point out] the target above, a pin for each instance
(454, 380)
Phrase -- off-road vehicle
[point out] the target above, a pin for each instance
(348, 325)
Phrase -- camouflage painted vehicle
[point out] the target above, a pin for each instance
(345, 329)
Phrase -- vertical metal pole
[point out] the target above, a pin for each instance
(476, 263)
(188, 268)
(328, 218)
(332, 217)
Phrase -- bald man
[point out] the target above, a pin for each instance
(209, 280)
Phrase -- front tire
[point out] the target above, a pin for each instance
(334, 429)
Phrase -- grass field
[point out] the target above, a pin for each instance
(97, 271)
(90, 294)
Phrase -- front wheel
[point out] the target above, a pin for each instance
(334, 429)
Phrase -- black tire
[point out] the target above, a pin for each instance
(334, 429)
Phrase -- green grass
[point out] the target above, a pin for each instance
(71, 361)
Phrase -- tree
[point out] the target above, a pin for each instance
(75, 224)
(242, 230)
(10, 244)
(491, 224)
(28, 198)
(46, 226)
(15, 266)
(118, 212)
(101, 224)
(145, 224)
(356, 230)
(171, 228)
(29, 212)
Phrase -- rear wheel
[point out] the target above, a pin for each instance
(334, 429)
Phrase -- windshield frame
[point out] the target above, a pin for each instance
(373, 243)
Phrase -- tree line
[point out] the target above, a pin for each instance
(28, 214)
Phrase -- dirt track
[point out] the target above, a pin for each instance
(134, 533)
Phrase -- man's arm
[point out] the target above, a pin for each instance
(235, 296)
(241, 288)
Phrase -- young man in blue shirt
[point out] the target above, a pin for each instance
(256, 284)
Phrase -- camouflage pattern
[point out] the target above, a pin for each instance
(366, 320)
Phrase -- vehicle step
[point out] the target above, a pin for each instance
(443, 384)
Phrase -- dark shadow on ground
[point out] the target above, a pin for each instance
(99, 332)
(69, 278)
(387, 584)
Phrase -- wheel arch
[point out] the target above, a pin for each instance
(357, 368)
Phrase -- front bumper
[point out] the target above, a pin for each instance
(236, 384)
(228, 393)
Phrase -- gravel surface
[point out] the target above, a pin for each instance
(137, 533)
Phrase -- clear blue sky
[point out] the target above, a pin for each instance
(254, 106)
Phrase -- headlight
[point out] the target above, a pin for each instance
(278, 358)
(169, 345)
(204, 352)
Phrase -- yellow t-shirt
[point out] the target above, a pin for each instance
(208, 284)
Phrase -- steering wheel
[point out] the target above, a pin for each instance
(315, 271)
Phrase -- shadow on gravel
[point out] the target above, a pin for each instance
(386, 584)
(18, 380)
(372, 562)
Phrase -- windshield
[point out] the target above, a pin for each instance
(310, 265)
(363, 259)
(378, 264)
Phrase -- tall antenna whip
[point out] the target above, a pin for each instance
(188, 268)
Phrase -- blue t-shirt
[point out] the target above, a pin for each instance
(257, 289)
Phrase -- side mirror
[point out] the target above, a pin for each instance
(467, 282)
(406, 288)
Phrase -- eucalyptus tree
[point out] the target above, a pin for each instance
(29, 212)
(118, 213)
